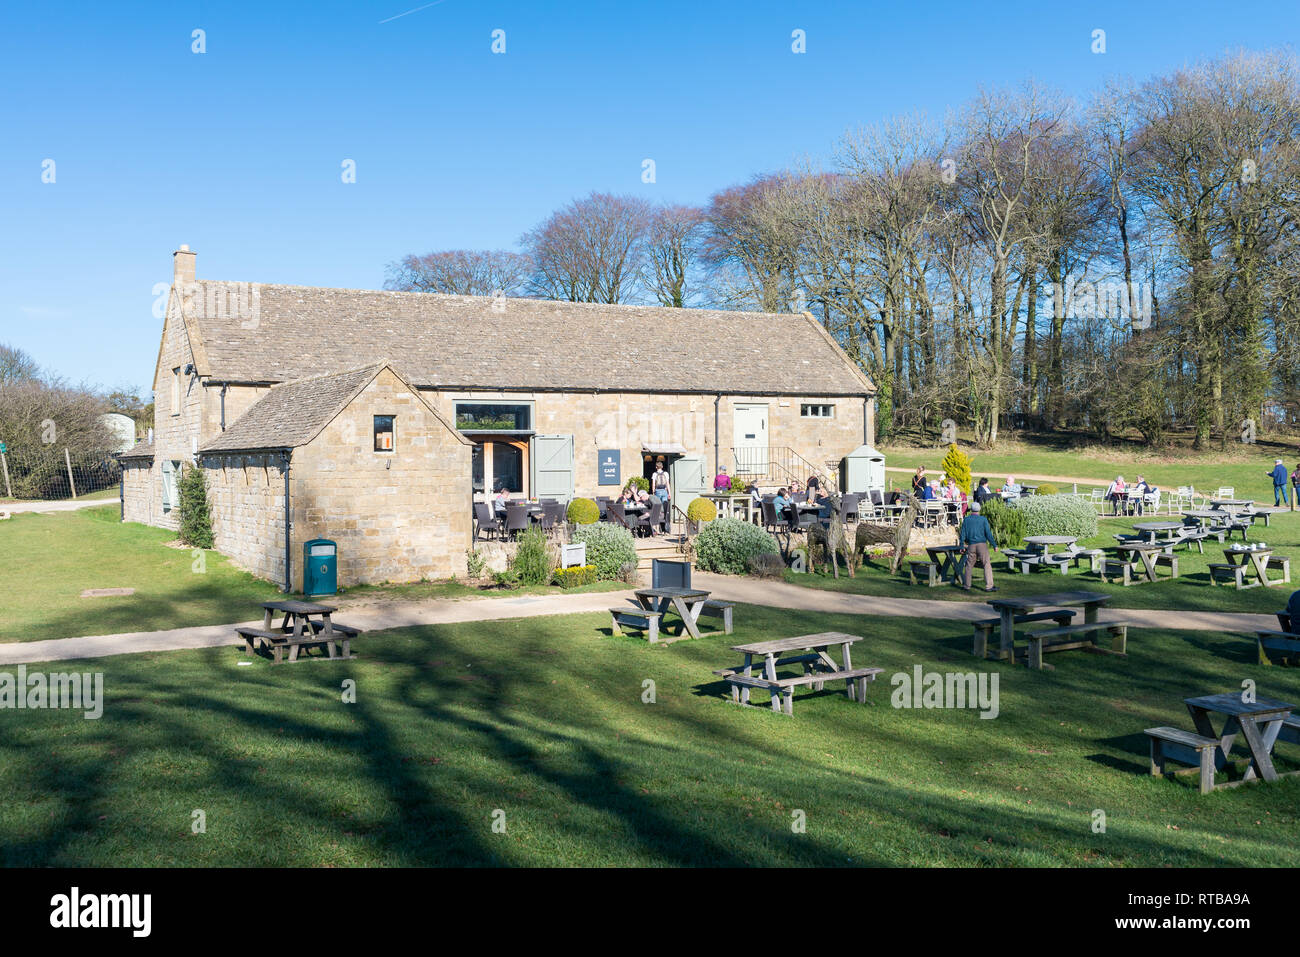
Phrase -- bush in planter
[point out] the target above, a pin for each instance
(1056, 515)
(701, 510)
(583, 511)
(727, 544)
(608, 548)
(1008, 523)
(533, 563)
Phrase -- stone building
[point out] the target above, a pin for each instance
(475, 394)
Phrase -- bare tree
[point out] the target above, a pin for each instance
(672, 247)
(592, 250)
(461, 272)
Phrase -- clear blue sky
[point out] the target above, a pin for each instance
(238, 151)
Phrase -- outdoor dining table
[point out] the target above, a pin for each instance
(1258, 721)
(945, 556)
(686, 602)
(1257, 559)
(1009, 608)
(1148, 552)
(1149, 529)
(300, 620)
(1231, 504)
(1044, 543)
(819, 667)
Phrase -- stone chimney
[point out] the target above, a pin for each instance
(182, 266)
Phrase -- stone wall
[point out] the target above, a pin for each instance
(628, 421)
(246, 501)
(139, 499)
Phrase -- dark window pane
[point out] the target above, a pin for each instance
(474, 416)
(384, 438)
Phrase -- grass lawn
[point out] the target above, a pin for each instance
(1242, 467)
(544, 720)
(1191, 591)
(47, 560)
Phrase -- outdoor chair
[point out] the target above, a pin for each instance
(1227, 491)
(552, 514)
(771, 520)
(602, 503)
(652, 517)
(616, 516)
(517, 519)
(849, 506)
(485, 522)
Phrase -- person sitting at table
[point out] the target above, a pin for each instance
(813, 483)
(642, 497)
(953, 493)
(976, 538)
(1138, 494)
(928, 491)
(919, 483)
(982, 491)
(721, 481)
(782, 504)
(500, 499)
(1115, 494)
(1010, 490)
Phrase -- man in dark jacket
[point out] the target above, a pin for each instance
(976, 536)
(983, 493)
(1280, 478)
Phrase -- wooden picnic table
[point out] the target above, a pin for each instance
(818, 667)
(1149, 529)
(1259, 722)
(945, 556)
(1009, 608)
(686, 602)
(305, 624)
(1149, 554)
(1258, 559)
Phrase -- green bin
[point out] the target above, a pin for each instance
(320, 567)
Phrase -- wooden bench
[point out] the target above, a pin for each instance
(1284, 644)
(279, 641)
(1228, 572)
(1093, 556)
(716, 608)
(1118, 568)
(782, 689)
(985, 626)
(1186, 747)
(637, 618)
(1168, 558)
(1282, 562)
(1041, 642)
(1290, 730)
(929, 570)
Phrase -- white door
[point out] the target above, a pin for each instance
(553, 466)
(750, 438)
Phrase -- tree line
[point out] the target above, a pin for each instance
(1126, 263)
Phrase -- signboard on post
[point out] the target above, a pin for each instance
(574, 555)
(609, 467)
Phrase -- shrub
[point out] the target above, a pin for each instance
(576, 576)
(727, 544)
(474, 562)
(583, 511)
(639, 483)
(608, 547)
(533, 562)
(767, 565)
(196, 521)
(701, 510)
(956, 465)
(1047, 488)
(506, 579)
(1056, 515)
(629, 573)
(1008, 523)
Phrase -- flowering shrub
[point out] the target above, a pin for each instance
(608, 548)
(576, 576)
(1056, 515)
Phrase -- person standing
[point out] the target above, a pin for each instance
(919, 483)
(659, 483)
(1279, 484)
(1295, 486)
(976, 538)
(721, 481)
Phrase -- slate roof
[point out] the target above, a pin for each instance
(475, 342)
(293, 414)
(141, 450)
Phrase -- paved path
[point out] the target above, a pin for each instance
(68, 505)
(382, 615)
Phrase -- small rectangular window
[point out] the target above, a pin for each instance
(176, 391)
(814, 411)
(384, 440)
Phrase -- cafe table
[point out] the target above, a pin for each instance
(1149, 554)
(1150, 529)
(1258, 721)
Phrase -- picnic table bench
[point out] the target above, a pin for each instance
(1260, 723)
(1151, 556)
(818, 668)
(305, 625)
(1241, 561)
(1063, 637)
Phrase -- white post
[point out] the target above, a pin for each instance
(9, 492)
(68, 461)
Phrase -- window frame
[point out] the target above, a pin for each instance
(804, 408)
(392, 431)
(176, 390)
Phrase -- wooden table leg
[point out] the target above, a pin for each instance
(689, 615)
(769, 672)
(749, 671)
(1007, 649)
(1260, 758)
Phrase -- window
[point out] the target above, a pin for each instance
(384, 441)
(176, 391)
(493, 417)
(813, 411)
(171, 474)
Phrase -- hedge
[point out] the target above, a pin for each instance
(1057, 515)
(608, 548)
(727, 544)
